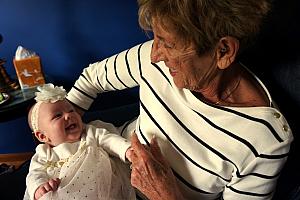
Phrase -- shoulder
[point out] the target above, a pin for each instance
(252, 94)
(42, 149)
(92, 132)
(143, 50)
(89, 129)
(42, 153)
(263, 126)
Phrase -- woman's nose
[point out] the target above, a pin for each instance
(157, 52)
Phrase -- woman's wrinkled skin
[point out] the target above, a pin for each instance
(151, 173)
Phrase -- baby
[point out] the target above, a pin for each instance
(73, 161)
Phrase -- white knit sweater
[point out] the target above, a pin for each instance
(214, 151)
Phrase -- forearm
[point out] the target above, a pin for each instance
(115, 145)
(33, 182)
(117, 72)
(106, 136)
(37, 174)
(85, 89)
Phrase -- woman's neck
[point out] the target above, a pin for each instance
(222, 87)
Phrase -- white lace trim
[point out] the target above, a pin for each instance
(35, 116)
(61, 162)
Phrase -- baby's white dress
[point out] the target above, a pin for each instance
(85, 168)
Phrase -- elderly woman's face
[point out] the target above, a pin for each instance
(188, 70)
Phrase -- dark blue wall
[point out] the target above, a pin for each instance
(67, 35)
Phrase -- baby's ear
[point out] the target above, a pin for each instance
(40, 136)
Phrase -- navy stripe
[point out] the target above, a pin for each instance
(259, 175)
(199, 190)
(139, 59)
(85, 78)
(88, 81)
(159, 69)
(100, 83)
(274, 156)
(174, 144)
(115, 68)
(198, 139)
(128, 68)
(188, 184)
(264, 122)
(143, 136)
(175, 173)
(248, 193)
(105, 66)
(245, 142)
(82, 92)
(267, 124)
(183, 126)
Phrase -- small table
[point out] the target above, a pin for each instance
(18, 104)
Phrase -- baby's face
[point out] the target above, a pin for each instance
(60, 122)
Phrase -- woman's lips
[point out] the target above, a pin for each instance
(173, 72)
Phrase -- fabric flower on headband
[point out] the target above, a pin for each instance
(50, 93)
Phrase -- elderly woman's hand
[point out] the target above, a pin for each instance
(151, 174)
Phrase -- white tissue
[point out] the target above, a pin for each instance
(22, 53)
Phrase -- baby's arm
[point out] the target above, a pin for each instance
(107, 137)
(115, 145)
(37, 174)
(51, 185)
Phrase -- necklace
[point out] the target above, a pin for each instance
(230, 92)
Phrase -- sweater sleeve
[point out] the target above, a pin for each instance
(118, 72)
(111, 142)
(249, 184)
(37, 174)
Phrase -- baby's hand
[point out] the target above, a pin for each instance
(51, 185)
(128, 154)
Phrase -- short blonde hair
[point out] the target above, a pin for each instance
(205, 22)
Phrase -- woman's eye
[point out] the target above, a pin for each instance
(169, 46)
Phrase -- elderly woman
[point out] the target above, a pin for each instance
(217, 131)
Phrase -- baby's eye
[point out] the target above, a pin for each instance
(71, 110)
(57, 115)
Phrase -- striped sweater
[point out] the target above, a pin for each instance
(214, 151)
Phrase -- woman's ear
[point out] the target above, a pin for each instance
(41, 136)
(227, 49)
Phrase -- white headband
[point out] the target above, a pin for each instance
(48, 93)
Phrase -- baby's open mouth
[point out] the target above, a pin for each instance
(71, 127)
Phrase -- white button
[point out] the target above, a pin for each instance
(276, 115)
(285, 127)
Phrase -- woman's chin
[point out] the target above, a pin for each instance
(179, 84)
